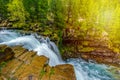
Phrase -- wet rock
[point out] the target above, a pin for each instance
(68, 71)
(6, 53)
(2, 78)
(57, 72)
(28, 66)
(89, 47)
(19, 50)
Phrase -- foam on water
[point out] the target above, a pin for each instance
(43, 46)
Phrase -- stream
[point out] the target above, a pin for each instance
(43, 46)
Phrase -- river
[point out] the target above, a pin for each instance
(43, 46)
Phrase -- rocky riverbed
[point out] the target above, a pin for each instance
(26, 65)
(90, 47)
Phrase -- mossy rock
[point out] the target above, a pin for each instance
(87, 49)
(115, 72)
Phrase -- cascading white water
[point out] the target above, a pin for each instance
(43, 46)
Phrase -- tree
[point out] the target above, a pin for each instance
(3, 8)
(38, 10)
(17, 11)
(43, 12)
(57, 13)
(31, 6)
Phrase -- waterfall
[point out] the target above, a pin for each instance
(43, 46)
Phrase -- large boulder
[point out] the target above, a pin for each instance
(28, 66)
(59, 72)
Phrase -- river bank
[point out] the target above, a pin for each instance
(73, 45)
(26, 65)
(43, 46)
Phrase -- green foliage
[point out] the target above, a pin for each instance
(20, 25)
(52, 71)
(57, 13)
(2, 64)
(38, 10)
(31, 6)
(91, 16)
(3, 8)
(2, 50)
(17, 11)
(85, 43)
(42, 12)
(72, 11)
(115, 71)
(60, 40)
(47, 32)
(42, 73)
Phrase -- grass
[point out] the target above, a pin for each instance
(42, 73)
(2, 64)
(2, 50)
(52, 71)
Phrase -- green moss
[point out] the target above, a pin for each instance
(19, 25)
(80, 46)
(52, 71)
(67, 49)
(86, 49)
(85, 43)
(2, 64)
(2, 50)
(116, 50)
(42, 73)
(115, 72)
(47, 32)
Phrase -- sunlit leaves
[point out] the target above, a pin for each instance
(17, 11)
(57, 13)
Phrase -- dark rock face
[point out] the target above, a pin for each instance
(6, 53)
(89, 48)
(28, 66)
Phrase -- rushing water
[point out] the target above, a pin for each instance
(83, 70)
